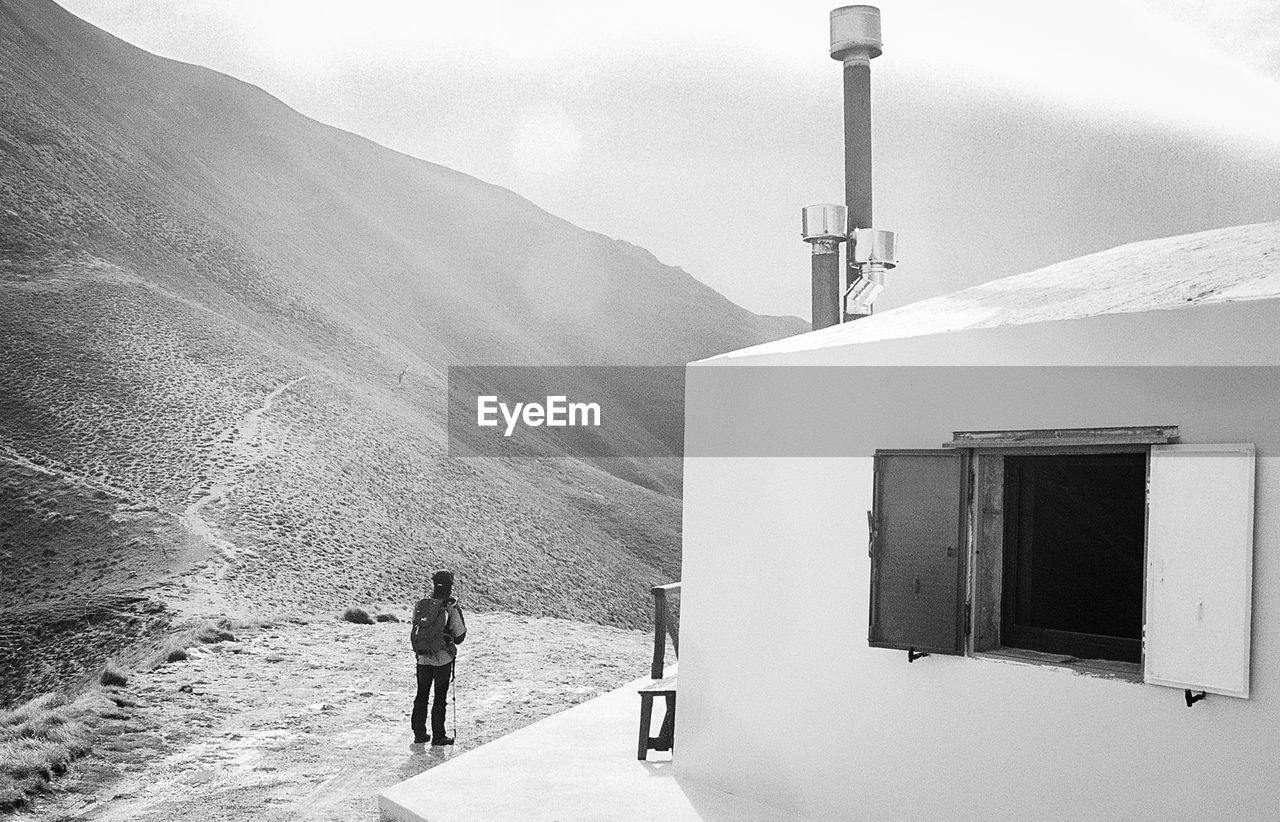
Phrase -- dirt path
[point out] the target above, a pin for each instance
(244, 446)
(310, 721)
(51, 468)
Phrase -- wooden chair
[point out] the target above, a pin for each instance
(663, 626)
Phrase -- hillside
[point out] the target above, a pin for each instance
(224, 329)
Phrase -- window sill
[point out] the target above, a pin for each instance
(1104, 668)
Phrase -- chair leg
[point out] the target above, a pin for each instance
(646, 717)
(667, 736)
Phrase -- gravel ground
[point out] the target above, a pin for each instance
(310, 721)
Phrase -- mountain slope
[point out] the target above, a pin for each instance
(224, 329)
(182, 172)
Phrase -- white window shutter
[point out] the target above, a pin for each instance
(1199, 567)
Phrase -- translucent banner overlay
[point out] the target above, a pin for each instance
(566, 411)
(840, 411)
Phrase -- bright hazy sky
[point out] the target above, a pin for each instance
(698, 130)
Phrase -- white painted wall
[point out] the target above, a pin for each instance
(782, 700)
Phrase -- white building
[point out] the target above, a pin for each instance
(1083, 541)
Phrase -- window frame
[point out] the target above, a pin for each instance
(985, 525)
(989, 562)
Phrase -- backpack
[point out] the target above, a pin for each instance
(428, 635)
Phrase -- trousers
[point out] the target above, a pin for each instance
(433, 681)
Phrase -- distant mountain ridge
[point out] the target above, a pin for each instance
(225, 181)
(224, 329)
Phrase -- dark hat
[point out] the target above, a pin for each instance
(442, 578)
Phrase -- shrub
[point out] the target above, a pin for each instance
(387, 618)
(112, 674)
(175, 653)
(357, 615)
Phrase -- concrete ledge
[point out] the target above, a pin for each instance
(579, 764)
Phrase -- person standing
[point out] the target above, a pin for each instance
(438, 628)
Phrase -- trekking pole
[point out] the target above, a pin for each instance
(453, 668)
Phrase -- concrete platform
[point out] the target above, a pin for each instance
(579, 764)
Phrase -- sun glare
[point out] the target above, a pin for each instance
(1117, 55)
(545, 141)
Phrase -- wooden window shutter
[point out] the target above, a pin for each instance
(1199, 567)
(918, 550)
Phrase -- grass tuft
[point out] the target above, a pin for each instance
(113, 674)
(40, 738)
(357, 615)
(212, 632)
(387, 618)
(175, 648)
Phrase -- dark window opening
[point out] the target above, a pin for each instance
(1073, 558)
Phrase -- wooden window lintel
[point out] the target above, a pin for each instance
(1065, 437)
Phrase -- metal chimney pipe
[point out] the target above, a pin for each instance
(855, 41)
(823, 228)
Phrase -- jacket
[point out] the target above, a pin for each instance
(456, 627)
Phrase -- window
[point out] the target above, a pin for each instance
(1073, 544)
(1106, 548)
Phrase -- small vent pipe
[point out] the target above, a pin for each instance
(823, 228)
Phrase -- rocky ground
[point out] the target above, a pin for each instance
(309, 720)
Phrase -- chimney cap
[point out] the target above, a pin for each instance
(823, 223)
(855, 33)
(873, 246)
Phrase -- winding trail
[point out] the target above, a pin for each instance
(52, 468)
(247, 445)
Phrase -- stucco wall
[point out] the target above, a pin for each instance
(782, 700)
